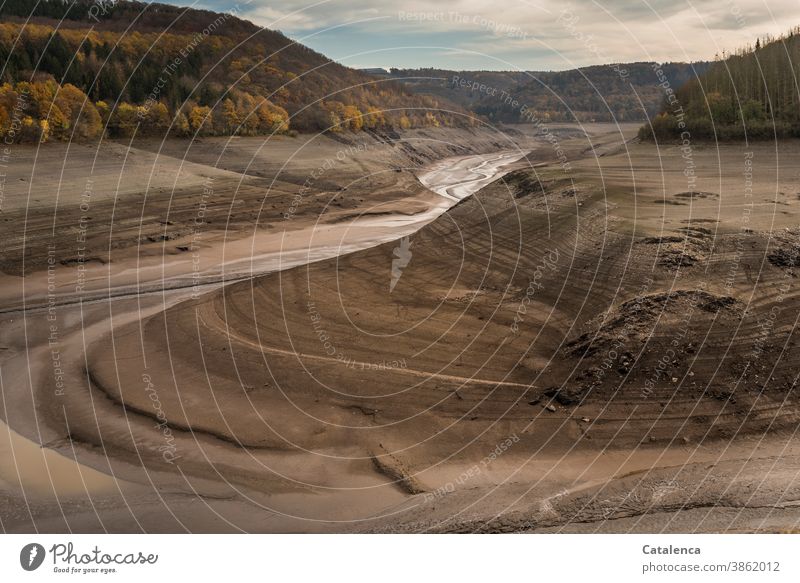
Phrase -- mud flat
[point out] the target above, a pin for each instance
(72, 301)
(601, 340)
(108, 220)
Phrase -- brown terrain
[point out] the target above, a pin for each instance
(601, 339)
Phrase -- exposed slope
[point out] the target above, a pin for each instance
(558, 313)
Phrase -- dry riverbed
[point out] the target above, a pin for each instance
(600, 340)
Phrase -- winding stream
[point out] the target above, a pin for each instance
(32, 470)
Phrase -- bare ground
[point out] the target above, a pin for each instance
(603, 348)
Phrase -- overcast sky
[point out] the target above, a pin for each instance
(517, 34)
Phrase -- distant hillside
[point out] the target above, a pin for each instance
(625, 92)
(149, 67)
(751, 94)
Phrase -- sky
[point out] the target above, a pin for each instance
(517, 34)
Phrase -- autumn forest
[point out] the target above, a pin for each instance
(75, 79)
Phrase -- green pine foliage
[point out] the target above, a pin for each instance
(751, 94)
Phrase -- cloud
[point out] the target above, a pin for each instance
(525, 34)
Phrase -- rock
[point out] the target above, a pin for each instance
(563, 396)
(550, 407)
(585, 419)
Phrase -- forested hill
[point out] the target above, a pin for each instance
(751, 94)
(73, 67)
(620, 92)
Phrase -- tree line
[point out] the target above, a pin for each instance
(43, 110)
(749, 94)
(208, 74)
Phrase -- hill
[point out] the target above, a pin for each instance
(751, 94)
(621, 92)
(73, 67)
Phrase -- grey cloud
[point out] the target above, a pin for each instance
(624, 30)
